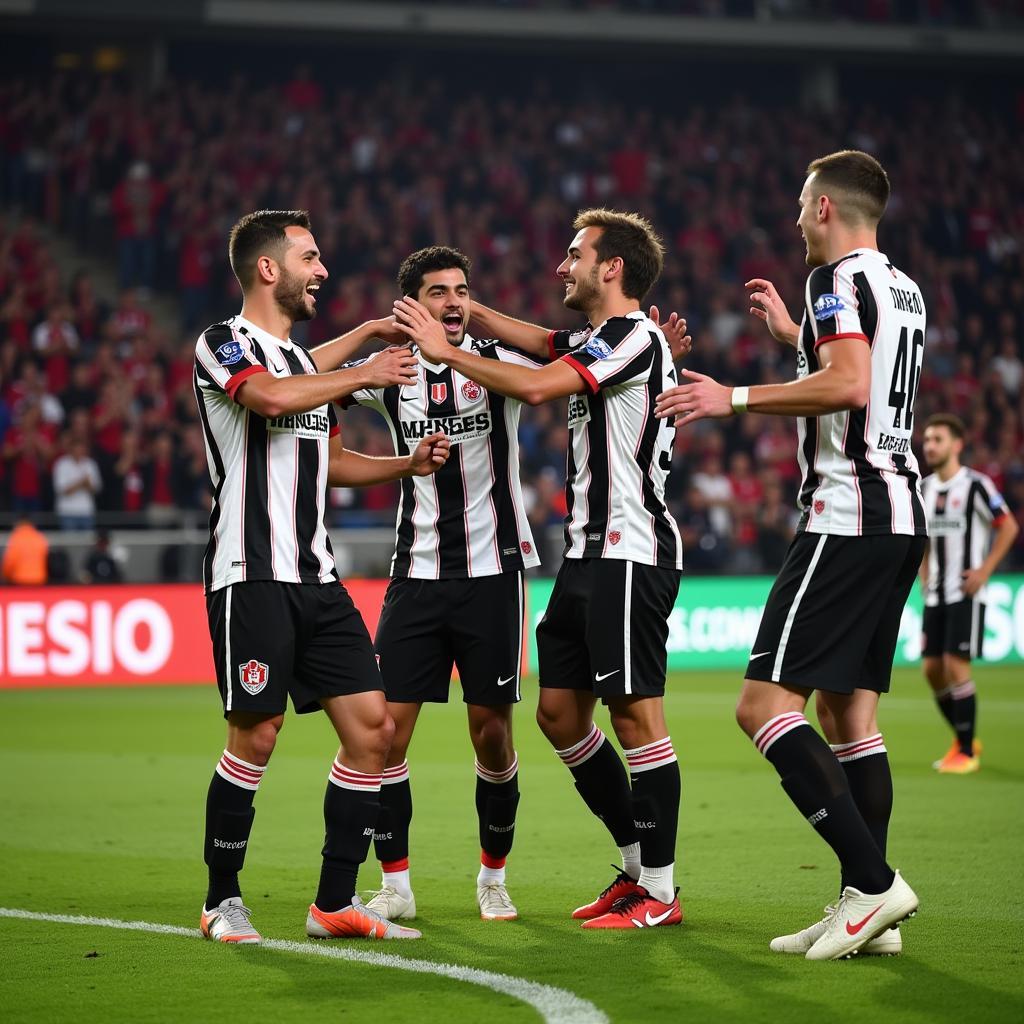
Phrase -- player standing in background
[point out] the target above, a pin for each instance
(605, 629)
(970, 531)
(456, 592)
(832, 618)
(280, 620)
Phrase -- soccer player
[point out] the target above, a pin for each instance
(456, 593)
(970, 530)
(832, 618)
(604, 632)
(280, 620)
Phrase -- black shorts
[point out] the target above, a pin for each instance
(832, 618)
(428, 626)
(606, 627)
(274, 639)
(953, 629)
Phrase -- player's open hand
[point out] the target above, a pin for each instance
(674, 329)
(702, 398)
(397, 365)
(415, 321)
(430, 454)
(385, 329)
(769, 307)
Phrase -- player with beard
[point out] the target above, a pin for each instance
(280, 620)
(605, 629)
(832, 618)
(970, 531)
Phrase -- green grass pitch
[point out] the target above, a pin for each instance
(103, 793)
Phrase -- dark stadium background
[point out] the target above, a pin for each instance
(487, 126)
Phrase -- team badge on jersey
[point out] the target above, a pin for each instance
(471, 390)
(614, 536)
(827, 306)
(526, 546)
(253, 675)
(438, 393)
(819, 507)
(598, 348)
(229, 353)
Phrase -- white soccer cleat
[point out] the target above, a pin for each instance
(390, 903)
(860, 917)
(494, 903)
(889, 943)
(228, 922)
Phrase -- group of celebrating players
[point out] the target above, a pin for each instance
(281, 622)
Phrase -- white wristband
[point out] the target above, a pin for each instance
(739, 399)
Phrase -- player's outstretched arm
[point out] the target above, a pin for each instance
(843, 382)
(272, 396)
(524, 383)
(334, 353)
(518, 333)
(353, 469)
(1005, 534)
(769, 307)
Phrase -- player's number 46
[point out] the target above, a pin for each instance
(906, 375)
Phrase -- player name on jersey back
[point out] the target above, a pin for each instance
(469, 518)
(860, 475)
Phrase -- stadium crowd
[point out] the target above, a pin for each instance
(97, 414)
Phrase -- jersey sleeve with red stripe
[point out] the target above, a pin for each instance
(615, 354)
(833, 306)
(561, 343)
(225, 358)
(994, 507)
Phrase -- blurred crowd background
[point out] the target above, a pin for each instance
(116, 198)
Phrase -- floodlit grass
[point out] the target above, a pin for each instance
(103, 793)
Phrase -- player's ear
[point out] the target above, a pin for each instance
(614, 268)
(266, 269)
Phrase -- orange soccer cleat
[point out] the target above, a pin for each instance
(624, 885)
(957, 763)
(954, 748)
(639, 910)
(357, 921)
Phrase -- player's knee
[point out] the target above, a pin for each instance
(492, 737)
(260, 740)
(383, 734)
(549, 722)
(748, 715)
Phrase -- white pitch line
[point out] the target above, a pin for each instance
(555, 1005)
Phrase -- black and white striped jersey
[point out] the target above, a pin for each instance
(620, 455)
(468, 519)
(961, 515)
(860, 475)
(269, 475)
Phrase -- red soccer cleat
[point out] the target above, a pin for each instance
(639, 910)
(624, 885)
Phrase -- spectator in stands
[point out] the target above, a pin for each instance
(136, 203)
(100, 565)
(76, 483)
(24, 561)
(28, 451)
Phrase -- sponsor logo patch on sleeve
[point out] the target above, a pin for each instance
(230, 353)
(597, 348)
(827, 306)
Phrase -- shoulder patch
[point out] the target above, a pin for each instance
(597, 348)
(827, 306)
(229, 353)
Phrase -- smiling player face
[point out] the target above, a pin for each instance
(445, 293)
(301, 274)
(579, 271)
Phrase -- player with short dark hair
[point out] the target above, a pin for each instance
(280, 620)
(970, 531)
(606, 626)
(456, 596)
(832, 618)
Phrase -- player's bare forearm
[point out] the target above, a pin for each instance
(354, 469)
(518, 333)
(332, 354)
(922, 572)
(1005, 535)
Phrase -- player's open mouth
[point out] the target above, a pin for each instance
(312, 289)
(452, 322)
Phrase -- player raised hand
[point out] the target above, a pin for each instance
(697, 401)
(430, 454)
(396, 365)
(769, 307)
(416, 322)
(674, 329)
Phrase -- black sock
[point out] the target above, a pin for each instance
(391, 834)
(602, 782)
(965, 712)
(229, 815)
(350, 812)
(866, 765)
(947, 705)
(654, 774)
(497, 797)
(814, 781)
